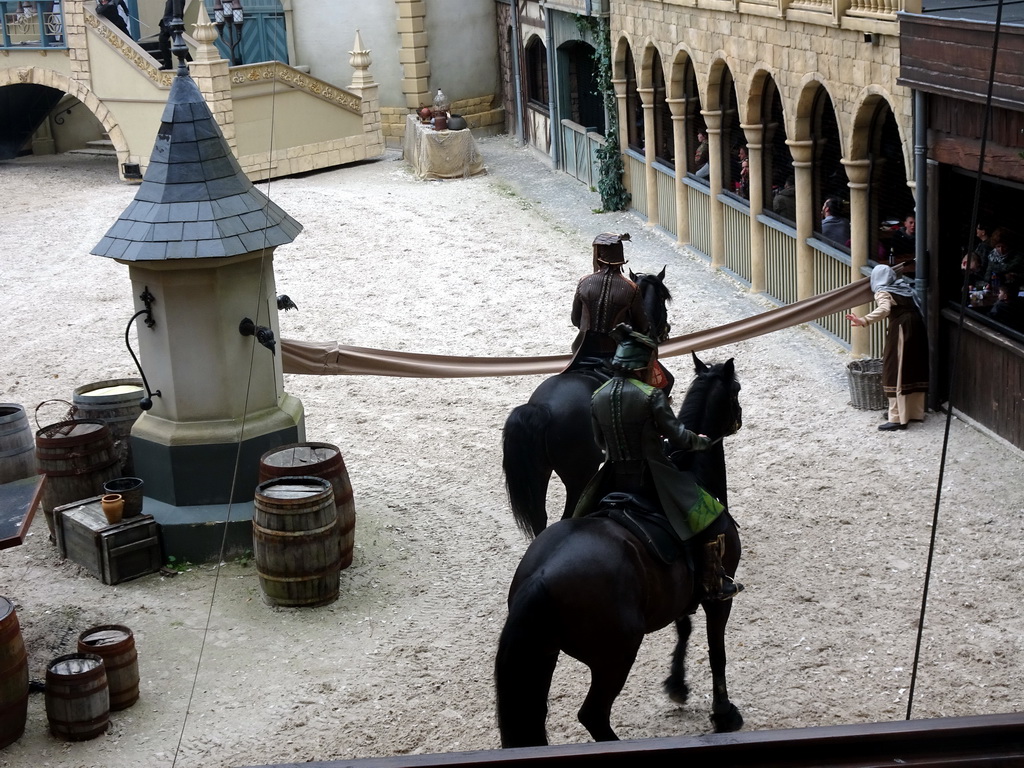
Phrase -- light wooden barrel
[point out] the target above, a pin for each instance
(77, 698)
(17, 459)
(115, 402)
(77, 457)
(115, 644)
(318, 460)
(13, 676)
(295, 541)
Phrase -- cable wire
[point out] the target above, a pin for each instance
(955, 361)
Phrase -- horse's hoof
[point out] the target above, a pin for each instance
(728, 721)
(677, 690)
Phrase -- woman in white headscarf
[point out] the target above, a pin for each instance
(905, 357)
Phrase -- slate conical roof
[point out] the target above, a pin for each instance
(195, 202)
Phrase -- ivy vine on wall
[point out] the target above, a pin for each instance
(614, 195)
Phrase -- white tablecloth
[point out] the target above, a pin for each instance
(440, 154)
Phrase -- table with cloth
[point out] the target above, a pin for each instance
(440, 154)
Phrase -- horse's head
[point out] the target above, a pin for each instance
(712, 403)
(656, 296)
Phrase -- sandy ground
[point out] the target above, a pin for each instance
(836, 517)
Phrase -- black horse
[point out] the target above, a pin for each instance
(590, 588)
(552, 431)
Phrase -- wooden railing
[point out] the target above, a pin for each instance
(579, 152)
(831, 271)
(699, 200)
(737, 237)
(636, 172)
(666, 185)
(779, 260)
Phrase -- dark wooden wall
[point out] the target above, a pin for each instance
(988, 385)
(953, 58)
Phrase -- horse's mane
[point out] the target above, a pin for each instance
(702, 412)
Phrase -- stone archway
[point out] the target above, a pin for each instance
(52, 79)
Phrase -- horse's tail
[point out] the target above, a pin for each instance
(526, 475)
(526, 660)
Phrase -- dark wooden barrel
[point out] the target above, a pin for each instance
(318, 460)
(115, 644)
(77, 698)
(17, 459)
(77, 457)
(13, 676)
(116, 403)
(295, 541)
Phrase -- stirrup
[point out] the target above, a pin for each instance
(730, 588)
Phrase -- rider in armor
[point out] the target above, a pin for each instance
(604, 299)
(631, 420)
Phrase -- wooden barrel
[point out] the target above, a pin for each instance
(13, 676)
(77, 457)
(318, 460)
(17, 459)
(115, 644)
(116, 403)
(295, 541)
(77, 698)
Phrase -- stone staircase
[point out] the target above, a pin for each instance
(97, 148)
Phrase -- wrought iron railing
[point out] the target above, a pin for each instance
(31, 24)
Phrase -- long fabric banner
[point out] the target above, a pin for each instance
(331, 358)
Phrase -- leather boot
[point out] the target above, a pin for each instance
(718, 585)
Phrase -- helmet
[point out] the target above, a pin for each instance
(634, 350)
(608, 248)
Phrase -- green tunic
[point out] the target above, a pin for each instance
(630, 420)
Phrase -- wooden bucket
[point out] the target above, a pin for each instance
(77, 698)
(116, 403)
(318, 460)
(115, 644)
(17, 459)
(295, 541)
(77, 457)
(13, 676)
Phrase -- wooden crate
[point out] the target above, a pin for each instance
(111, 553)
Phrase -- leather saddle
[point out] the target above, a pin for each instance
(645, 520)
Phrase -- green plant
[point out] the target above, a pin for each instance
(614, 195)
(176, 565)
(244, 558)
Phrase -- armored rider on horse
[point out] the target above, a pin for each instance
(632, 421)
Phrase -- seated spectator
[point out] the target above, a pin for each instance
(1009, 307)
(742, 183)
(976, 262)
(833, 226)
(700, 157)
(785, 200)
(1005, 261)
(903, 245)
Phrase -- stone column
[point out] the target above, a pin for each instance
(412, 16)
(858, 172)
(713, 121)
(806, 209)
(620, 109)
(754, 133)
(211, 75)
(363, 84)
(682, 152)
(650, 175)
